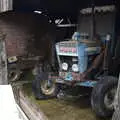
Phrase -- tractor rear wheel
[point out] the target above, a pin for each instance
(103, 96)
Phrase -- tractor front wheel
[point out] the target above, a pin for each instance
(45, 88)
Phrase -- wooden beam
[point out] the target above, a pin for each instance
(3, 61)
(32, 111)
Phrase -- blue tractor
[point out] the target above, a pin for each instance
(87, 60)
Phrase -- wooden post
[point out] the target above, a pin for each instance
(93, 22)
(116, 115)
(3, 61)
(6, 5)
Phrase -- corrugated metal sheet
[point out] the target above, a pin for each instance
(6, 5)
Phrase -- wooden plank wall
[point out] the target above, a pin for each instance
(6, 5)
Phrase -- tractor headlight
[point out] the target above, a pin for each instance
(64, 66)
(75, 68)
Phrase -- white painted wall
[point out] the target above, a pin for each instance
(9, 110)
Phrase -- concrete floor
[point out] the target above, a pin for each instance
(70, 109)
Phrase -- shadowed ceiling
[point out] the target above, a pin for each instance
(58, 7)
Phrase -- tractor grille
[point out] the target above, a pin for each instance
(69, 60)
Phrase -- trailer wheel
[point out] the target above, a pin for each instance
(44, 89)
(103, 94)
(14, 75)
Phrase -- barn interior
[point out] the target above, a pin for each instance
(33, 28)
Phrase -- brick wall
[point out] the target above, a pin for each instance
(27, 33)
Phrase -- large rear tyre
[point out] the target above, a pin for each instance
(103, 94)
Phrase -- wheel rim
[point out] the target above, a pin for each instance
(13, 75)
(110, 98)
(48, 87)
